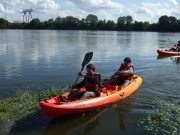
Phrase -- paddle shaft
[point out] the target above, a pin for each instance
(75, 81)
(170, 40)
(87, 59)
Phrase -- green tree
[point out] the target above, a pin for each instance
(17, 25)
(121, 21)
(82, 24)
(42, 25)
(34, 23)
(163, 23)
(110, 25)
(152, 27)
(178, 26)
(50, 24)
(138, 26)
(91, 21)
(128, 22)
(101, 25)
(60, 22)
(3, 23)
(172, 23)
(71, 22)
(145, 26)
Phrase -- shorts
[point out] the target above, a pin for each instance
(121, 81)
(124, 83)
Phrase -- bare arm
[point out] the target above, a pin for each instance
(129, 71)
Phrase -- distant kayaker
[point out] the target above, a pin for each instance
(177, 49)
(123, 76)
(91, 81)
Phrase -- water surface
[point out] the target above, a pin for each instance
(35, 60)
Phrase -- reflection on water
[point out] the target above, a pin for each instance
(111, 120)
(83, 123)
(40, 59)
(175, 59)
(5, 127)
(65, 125)
(52, 56)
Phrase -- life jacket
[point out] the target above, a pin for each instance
(93, 87)
(123, 68)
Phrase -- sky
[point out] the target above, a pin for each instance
(140, 10)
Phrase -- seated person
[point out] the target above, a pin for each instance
(177, 49)
(123, 76)
(91, 81)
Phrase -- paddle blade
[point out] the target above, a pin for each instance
(169, 40)
(87, 59)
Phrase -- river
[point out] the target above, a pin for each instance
(35, 60)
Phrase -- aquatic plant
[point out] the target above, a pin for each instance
(26, 103)
(164, 120)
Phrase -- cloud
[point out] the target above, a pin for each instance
(103, 9)
(96, 5)
(39, 5)
(143, 10)
(43, 9)
(173, 2)
(69, 3)
(143, 14)
(150, 5)
(2, 10)
(153, 11)
(176, 13)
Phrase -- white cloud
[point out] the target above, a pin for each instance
(1, 8)
(103, 9)
(150, 5)
(176, 13)
(143, 10)
(43, 10)
(143, 14)
(173, 2)
(96, 5)
(152, 12)
(69, 3)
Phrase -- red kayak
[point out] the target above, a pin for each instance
(53, 107)
(164, 52)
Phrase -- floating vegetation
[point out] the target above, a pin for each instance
(26, 103)
(164, 120)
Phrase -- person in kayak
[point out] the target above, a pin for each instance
(177, 49)
(92, 82)
(123, 76)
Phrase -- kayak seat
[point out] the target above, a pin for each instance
(134, 76)
(103, 93)
(111, 87)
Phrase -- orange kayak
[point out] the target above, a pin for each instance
(53, 107)
(164, 52)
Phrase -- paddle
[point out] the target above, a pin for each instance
(173, 43)
(170, 40)
(87, 59)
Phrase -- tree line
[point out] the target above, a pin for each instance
(91, 22)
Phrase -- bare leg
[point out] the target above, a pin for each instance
(113, 80)
(126, 82)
